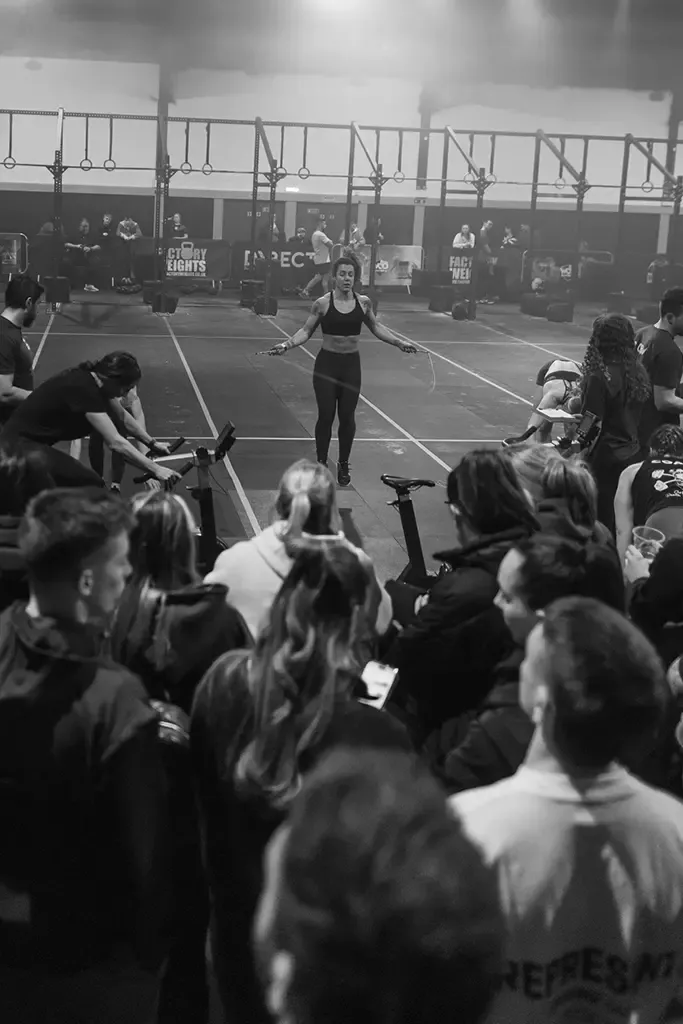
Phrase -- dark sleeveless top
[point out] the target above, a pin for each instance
(657, 484)
(344, 325)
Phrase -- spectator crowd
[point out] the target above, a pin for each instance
(202, 784)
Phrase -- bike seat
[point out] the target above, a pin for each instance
(403, 484)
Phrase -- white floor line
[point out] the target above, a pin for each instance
(392, 423)
(521, 341)
(377, 440)
(119, 334)
(459, 366)
(43, 339)
(241, 493)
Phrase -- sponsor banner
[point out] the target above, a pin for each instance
(198, 259)
(461, 268)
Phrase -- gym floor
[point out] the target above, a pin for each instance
(469, 384)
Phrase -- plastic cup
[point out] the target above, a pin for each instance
(648, 541)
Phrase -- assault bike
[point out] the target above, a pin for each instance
(415, 571)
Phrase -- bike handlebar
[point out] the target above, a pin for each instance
(178, 443)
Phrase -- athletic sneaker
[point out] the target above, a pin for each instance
(91, 288)
(322, 462)
(116, 488)
(343, 474)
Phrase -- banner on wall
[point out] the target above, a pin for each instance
(285, 258)
(461, 268)
(201, 259)
(394, 267)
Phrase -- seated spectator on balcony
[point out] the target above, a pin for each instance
(375, 907)
(651, 492)
(170, 627)
(22, 301)
(83, 249)
(490, 744)
(23, 475)
(563, 492)
(588, 857)
(300, 242)
(260, 722)
(128, 232)
(464, 239)
(82, 795)
(454, 636)
(254, 570)
(177, 229)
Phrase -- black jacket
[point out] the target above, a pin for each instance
(170, 643)
(82, 800)
(13, 585)
(489, 744)
(447, 656)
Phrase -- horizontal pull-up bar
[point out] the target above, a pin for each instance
(261, 132)
(557, 152)
(652, 160)
(463, 153)
(359, 138)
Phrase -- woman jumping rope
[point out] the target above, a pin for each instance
(336, 374)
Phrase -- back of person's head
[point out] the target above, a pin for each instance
(485, 492)
(23, 475)
(667, 442)
(544, 568)
(612, 343)
(376, 906)
(594, 681)
(21, 290)
(307, 501)
(120, 368)
(77, 539)
(672, 303)
(547, 477)
(307, 658)
(163, 545)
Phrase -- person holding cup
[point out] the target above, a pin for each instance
(650, 493)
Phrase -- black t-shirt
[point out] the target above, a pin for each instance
(56, 411)
(605, 398)
(663, 360)
(657, 484)
(16, 361)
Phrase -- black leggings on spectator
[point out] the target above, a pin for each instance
(606, 470)
(65, 471)
(336, 383)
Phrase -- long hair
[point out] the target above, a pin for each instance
(162, 544)
(667, 441)
(163, 559)
(120, 367)
(485, 490)
(546, 475)
(613, 342)
(307, 659)
(307, 503)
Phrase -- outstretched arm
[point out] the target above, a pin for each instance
(305, 333)
(381, 332)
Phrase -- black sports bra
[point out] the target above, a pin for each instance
(343, 325)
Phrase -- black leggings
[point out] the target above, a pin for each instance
(336, 382)
(65, 471)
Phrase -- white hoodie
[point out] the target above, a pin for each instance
(254, 570)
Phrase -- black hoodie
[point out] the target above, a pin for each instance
(447, 656)
(82, 801)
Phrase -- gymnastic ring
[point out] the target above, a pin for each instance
(207, 169)
(281, 172)
(9, 162)
(109, 164)
(399, 177)
(647, 186)
(469, 178)
(304, 173)
(492, 178)
(560, 184)
(86, 164)
(186, 167)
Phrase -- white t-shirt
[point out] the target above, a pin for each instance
(462, 242)
(591, 883)
(321, 251)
